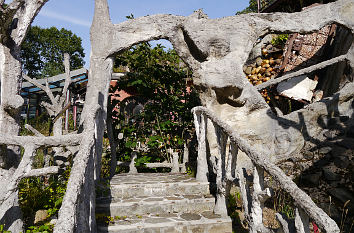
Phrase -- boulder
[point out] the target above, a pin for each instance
(41, 215)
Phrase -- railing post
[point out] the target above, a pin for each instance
(259, 196)
(231, 161)
(302, 223)
(220, 205)
(185, 158)
(175, 163)
(132, 168)
(200, 122)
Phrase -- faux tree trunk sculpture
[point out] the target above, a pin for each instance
(215, 49)
(56, 108)
(15, 18)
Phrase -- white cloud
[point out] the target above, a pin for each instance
(54, 15)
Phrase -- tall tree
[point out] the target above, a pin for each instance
(252, 8)
(43, 49)
(159, 116)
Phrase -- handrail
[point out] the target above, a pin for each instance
(301, 199)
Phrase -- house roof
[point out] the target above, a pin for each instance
(56, 83)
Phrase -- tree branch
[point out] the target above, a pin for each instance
(45, 88)
(42, 171)
(25, 16)
(67, 77)
(33, 130)
(307, 70)
(64, 140)
(13, 6)
(23, 167)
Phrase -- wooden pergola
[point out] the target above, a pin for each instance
(33, 95)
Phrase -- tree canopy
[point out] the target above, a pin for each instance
(252, 7)
(43, 49)
(164, 97)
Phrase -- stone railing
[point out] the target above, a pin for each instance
(71, 216)
(77, 213)
(224, 165)
(174, 164)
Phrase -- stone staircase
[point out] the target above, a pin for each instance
(159, 202)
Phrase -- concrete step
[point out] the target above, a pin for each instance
(155, 184)
(205, 222)
(155, 205)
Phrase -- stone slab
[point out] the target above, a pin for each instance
(156, 184)
(162, 205)
(171, 225)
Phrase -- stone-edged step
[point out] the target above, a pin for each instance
(205, 222)
(155, 205)
(155, 184)
(158, 203)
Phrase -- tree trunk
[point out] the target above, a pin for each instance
(11, 102)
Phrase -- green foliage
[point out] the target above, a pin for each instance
(46, 228)
(280, 40)
(37, 193)
(43, 49)
(252, 8)
(233, 203)
(2, 227)
(283, 203)
(158, 80)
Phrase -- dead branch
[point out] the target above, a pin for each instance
(307, 70)
(13, 6)
(64, 140)
(67, 77)
(24, 166)
(42, 172)
(61, 112)
(33, 130)
(45, 88)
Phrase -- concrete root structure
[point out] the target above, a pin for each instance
(253, 199)
(216, 50)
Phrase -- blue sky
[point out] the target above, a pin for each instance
(76, 15)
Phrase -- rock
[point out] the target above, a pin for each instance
(331, 210)
(350, 132)
(332, 134)
(325, 150)
(269, 47)
(323, 121)
(248, 70)
(40, 216)
(53, 220)
(338, 151)
(311, 179)
(325, 160)
(343, 195)
(190, 216)
(344, 118)
(259, 61)
(347, 143)
(329, 175)
(334, 122)
(308, 155)
(341, 161)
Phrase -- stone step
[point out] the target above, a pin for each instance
(205, 222)
(155, 184)
(155, 205)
